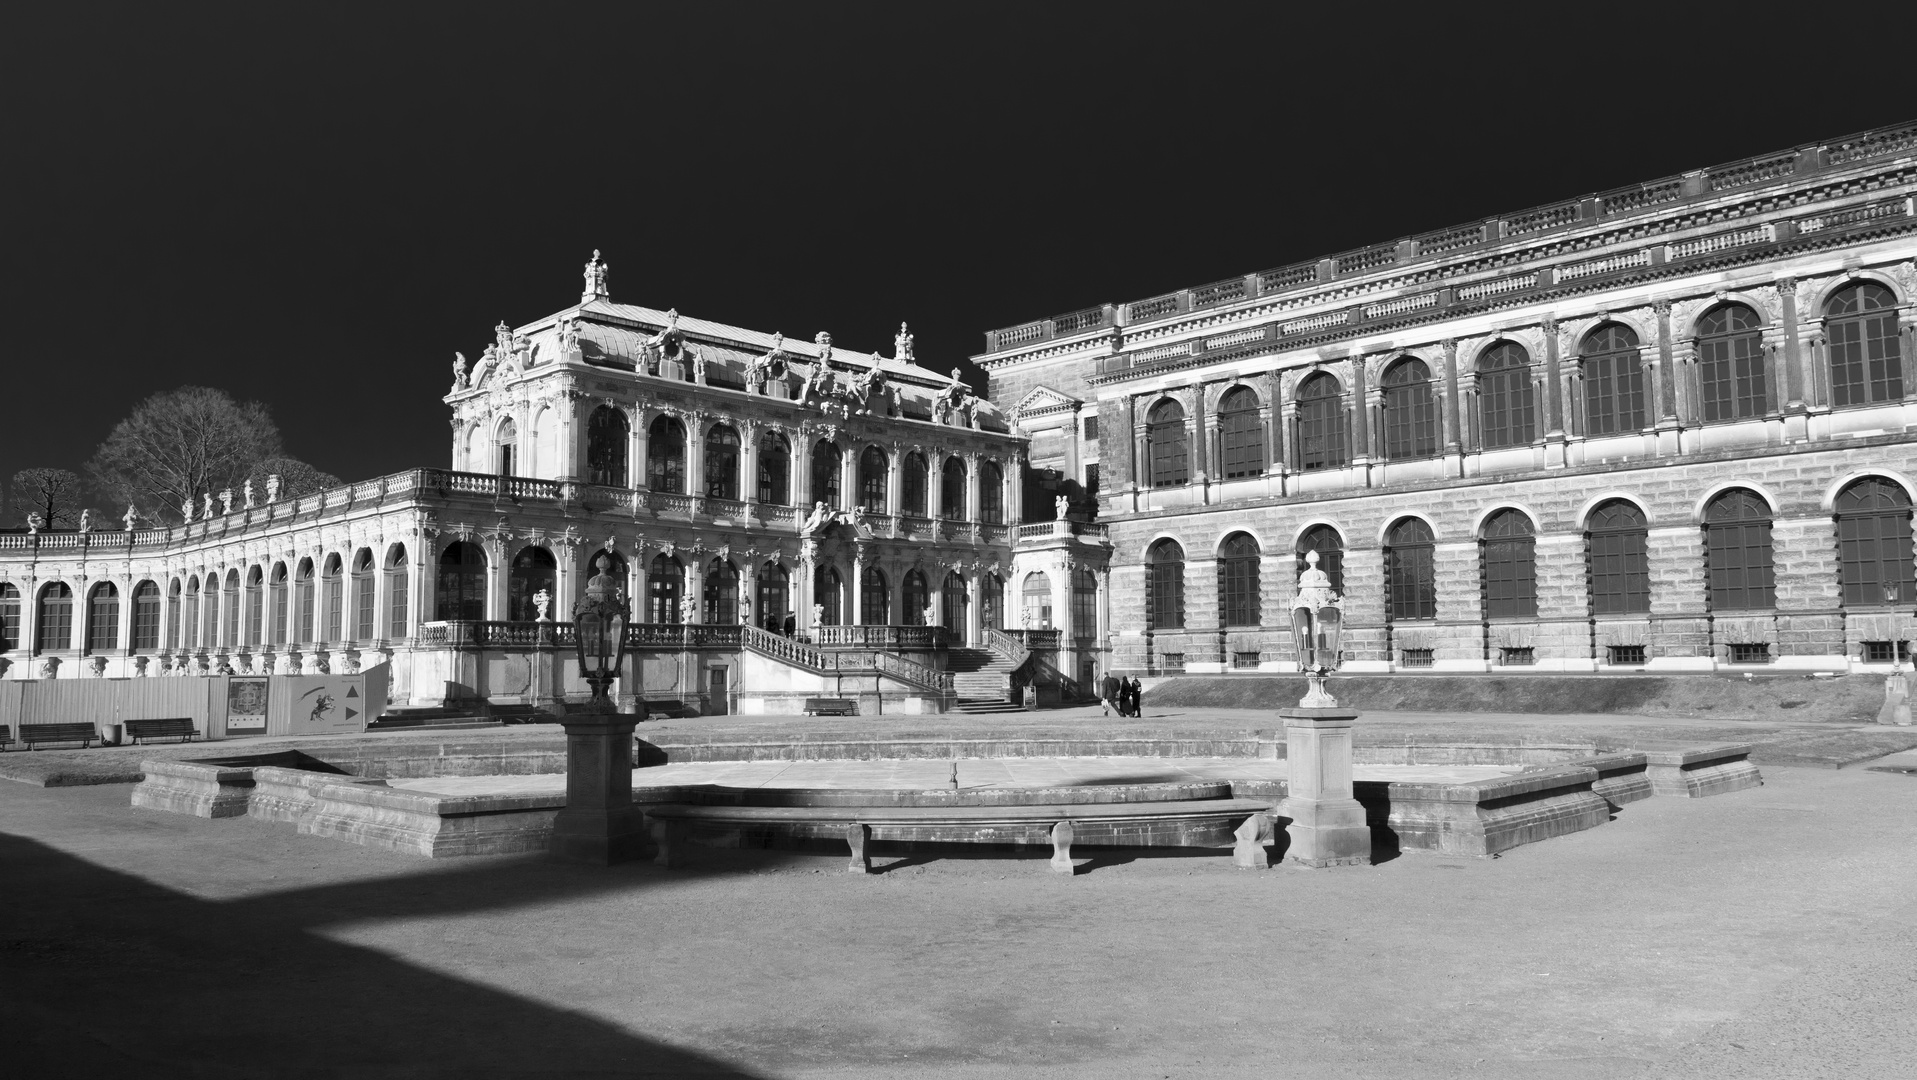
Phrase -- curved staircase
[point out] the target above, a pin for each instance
(982, 681)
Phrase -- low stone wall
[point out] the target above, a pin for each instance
(202, 789)
(1621, 777)
(1694, 774)
(915, 745)
(1488, 816)
(436, 826)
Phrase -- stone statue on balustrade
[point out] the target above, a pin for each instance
(33, 524)
(86, 521)
(1062, 504)
(132, 517)
(186, 509)
(688, 609)
(596, 274)
(246, 495)
(273, 487)
(902, 345)
(745, 611)
(542, 602)
(226, 500)
(818, 616)
(206, 509)
(459, 371)
(773, 365)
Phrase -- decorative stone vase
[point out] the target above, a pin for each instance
(97, 665)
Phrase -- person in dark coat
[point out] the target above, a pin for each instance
(1108, 695)
(1136, 693)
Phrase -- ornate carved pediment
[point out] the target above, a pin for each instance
(1043, 401)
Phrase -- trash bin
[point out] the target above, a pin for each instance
(110, 734)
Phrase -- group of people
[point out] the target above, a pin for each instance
(1120, 694)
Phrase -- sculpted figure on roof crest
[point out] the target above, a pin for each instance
(132, 517)
(596, 274)
(459, 371)
(902, 345)
(770, 366)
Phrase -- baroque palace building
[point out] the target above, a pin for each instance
(1665, 428)
(790, 519)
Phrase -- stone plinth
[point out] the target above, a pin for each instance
(599, 824)
(1327, 823)
(1694, 774)
(196, 788)
(1490, 816)
(1621, 777)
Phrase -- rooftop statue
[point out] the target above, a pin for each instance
(132, 517)
(86, 521)
(246, 495)
(186, 508)
(871, 390)
(207, 509)
(596, 274)
(902, 345)
(772, 365)
(33, 523)
(953, 400)
(459, 371)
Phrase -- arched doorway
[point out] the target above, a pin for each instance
(721, 601)
(955, 599)
(461, 593)
(828, 596)
(1035, 602)
(533, 571)
(775, 597)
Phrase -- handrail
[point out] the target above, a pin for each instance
(1010, 647)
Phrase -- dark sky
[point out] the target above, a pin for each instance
(314, 206)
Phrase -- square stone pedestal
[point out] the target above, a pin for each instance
(599, 824)
(1327, 822)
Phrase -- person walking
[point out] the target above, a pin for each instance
(1108, 695)
(1136, 692)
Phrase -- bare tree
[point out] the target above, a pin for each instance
(296, 477)
(57, 495)
(180, 443)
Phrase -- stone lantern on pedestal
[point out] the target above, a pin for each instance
(1327, 823)
(599, 824)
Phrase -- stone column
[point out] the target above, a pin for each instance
(695, 458)
(1060, 575)
(856, 617)
(695, 586)
(1453, 416)
(972, 472)
(1666, 383)
(1327, 824)
(1553, 386)
(895, 483)
(636, 454)
(599, 825)
(849, 475)
(974, 591)
(1793, 373)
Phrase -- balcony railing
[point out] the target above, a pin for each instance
(881, 637)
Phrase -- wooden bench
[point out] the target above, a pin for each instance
(666, 707)
(177, 727)
(6, 737)
(84, 734)
(1245, 824)
(831, 706)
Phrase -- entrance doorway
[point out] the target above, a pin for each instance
(716, 704)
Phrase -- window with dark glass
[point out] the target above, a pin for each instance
(363, 586)
(1035, 601)
(721, 600)
(103, 618)
(991, 494)
(875, 601)
(1730, 364)
(828, 592)
(189, 615)
(991, 601)
(1410, 411)
(1619, 563)
(722, 462)
(1873, 543)
(1509, 562)
(9, 616)
(952, 490)
(1737, 552)
(1330, 547)
(1238, 600)
(1165, 445)
(1507, 413)
(1091, 429)
(1084, 604)
(1613, 381)
(953, 597)
(666, 456)
(55, 619)
(607, 439)
(396, 612)
(230, 610)
(1322, 443)
(303, 594)
(146, 617)
(505, 440)
(335, 597)
(276, 596)
(255, 607)
(917, 596)
(461, 591)
(774, 596)
(912, 485)
(1866, 364)
(825, 473)
(665, 579)
(1165, 586)
(534, 570)
(873, 476)
(1241, 435)
(1411, 581)
(775, 466)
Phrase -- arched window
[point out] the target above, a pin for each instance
(1084, 604)
(9, 616)
(146, 617)
(720, 606)
(873, 476)
(1613, 381)
(1238, 600)
(775, 470)
(1860, 325)
(176, 605)
(276, 587)
(461, 592)
(1509, 564)
(255, 607)
(505, 442)
(991, 602)
(775, 590)
(952, 490)
(1241, 434)
(666, 456)
(1165, 586)
(1873, 543)
(1620, 562)
(103, 618)
(608, 437)
(1737, 552)
(363, 585)
(1322, 442)
(209, 612)
(991, 494)
(828, 594)
(1165, 444)
(230, 610)
(954, 598)
(303, 599)
(1330, 547)
(722, 462)
(534, 570)
(335, 596)
(189, 615)
(875, 597)
(1411, 580)
(665, 579)
(826, 460)
(1730, 364)
(1035, 601)
(54, 620)
(913, 485)
(1507, 413)
(397, 614)
(1410, 411)
(917, 597)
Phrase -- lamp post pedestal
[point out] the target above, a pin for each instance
(1327, 822)
(599, 824)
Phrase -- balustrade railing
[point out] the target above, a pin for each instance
(1004, 643)
(880, 637)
